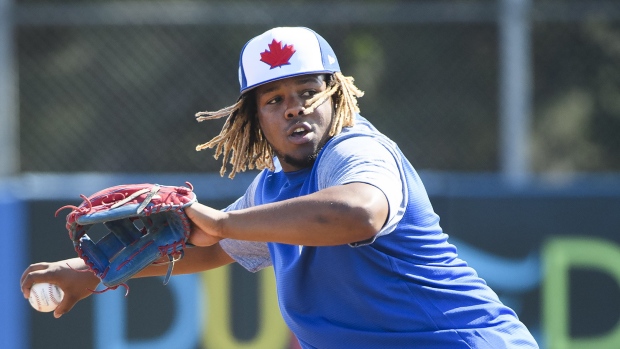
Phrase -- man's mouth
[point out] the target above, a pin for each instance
(300, 133)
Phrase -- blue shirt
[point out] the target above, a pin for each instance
(405, 288)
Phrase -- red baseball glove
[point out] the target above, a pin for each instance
(145, 221)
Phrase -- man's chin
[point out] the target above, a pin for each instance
(300, 163)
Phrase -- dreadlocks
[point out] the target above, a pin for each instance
(241, 142)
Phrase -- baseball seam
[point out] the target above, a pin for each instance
(51, 293)
(36, 298)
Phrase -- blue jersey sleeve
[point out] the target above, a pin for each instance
(252, 255)
(366, 160)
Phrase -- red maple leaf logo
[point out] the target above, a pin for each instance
(277, 55)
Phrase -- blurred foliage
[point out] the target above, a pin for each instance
(577, 97)
(123, 98)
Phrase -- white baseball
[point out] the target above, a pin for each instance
(45, 297)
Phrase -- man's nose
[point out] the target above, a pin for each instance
(295, 107)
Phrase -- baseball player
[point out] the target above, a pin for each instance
(337, 211)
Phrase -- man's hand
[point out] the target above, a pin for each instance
(211, 219)
(71, 275)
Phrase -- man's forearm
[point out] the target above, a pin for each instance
(196, 259)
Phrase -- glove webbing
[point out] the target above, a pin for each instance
(146, 201)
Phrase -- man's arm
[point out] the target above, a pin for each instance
(332, 216)
(195, 260)
(74, 278)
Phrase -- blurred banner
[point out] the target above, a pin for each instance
(13, 326)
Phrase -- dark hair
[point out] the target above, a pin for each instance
(241, 141)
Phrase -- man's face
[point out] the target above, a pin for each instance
(296, 138)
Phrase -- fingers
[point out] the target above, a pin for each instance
(65, 305)
(31, 268)
(35, 273)
(196, 231)
(204, 221)
(199, 237)
(200, 240)
(70, 275)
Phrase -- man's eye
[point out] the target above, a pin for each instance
(273, 100)
(308, 93)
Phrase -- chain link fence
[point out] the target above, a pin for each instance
(121, 97)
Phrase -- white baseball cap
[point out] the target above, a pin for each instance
(284, 52)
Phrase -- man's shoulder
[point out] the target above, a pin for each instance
(360, 136)
(361, 125)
